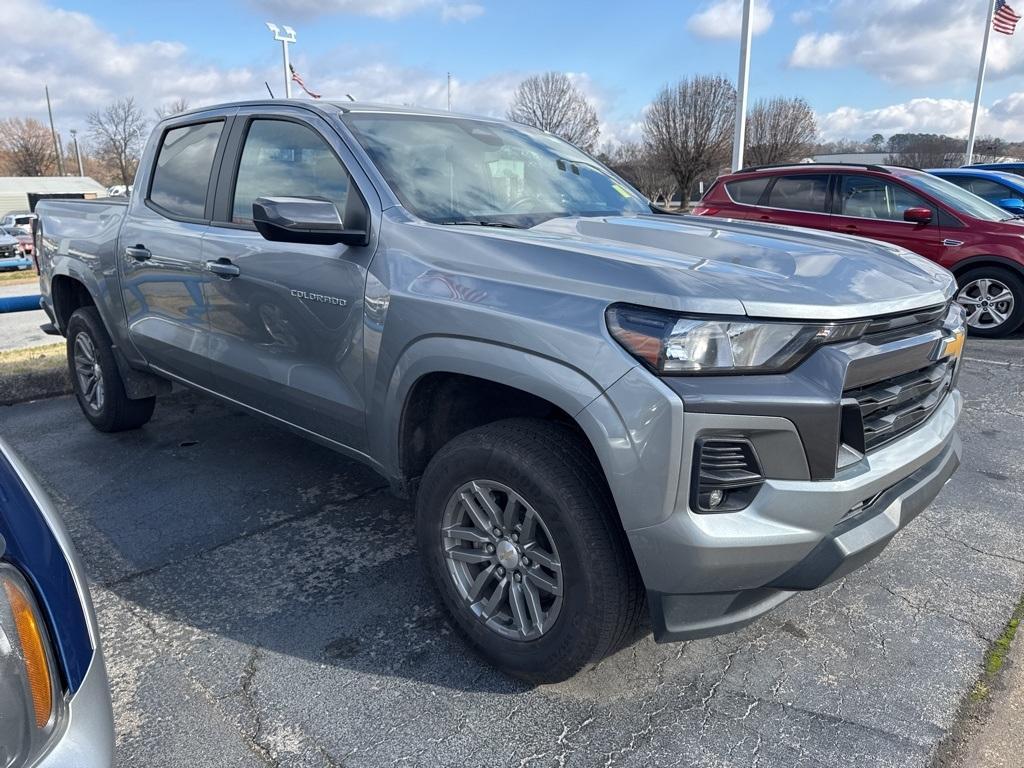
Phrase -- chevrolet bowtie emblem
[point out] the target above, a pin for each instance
(953, 347)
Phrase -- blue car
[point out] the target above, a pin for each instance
(1001, 187)
(1015, 169)
(55, 709)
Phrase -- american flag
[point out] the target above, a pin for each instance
(296, 77)
(1005, 18)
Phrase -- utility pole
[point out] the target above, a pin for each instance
(741, 89)
(285, 38)
(969, 156)
(78, 152)
(53, 132)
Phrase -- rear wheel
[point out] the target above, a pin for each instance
(993, 298)
(95, 378)
(520, 536)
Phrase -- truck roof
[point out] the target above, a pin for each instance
(328, 106)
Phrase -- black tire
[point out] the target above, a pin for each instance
(548, 465)
(968, 296)
(115, 412)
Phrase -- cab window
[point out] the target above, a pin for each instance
(183, 165)
(286, 159)
(868, 197)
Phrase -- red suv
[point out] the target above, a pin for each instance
(980, 243)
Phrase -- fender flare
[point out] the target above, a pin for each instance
(559, 384)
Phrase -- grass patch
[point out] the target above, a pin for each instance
(33, 373)
(15, 276)
(995, 656)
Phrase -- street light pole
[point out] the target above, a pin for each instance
(78, 152)
(741, 89)
(286, 37)
(53, 132)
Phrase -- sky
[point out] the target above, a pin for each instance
(865, 66)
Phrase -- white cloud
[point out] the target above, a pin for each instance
(461, 12)
(1005, 118)
(818, 50)
(386, 9)
(801, 17)
(724, 19)
(907, 41)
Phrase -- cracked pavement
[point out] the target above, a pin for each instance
(261, 603)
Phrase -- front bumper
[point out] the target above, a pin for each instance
(15, 262)
(826, 506)
(87, 739)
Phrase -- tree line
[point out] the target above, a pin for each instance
(687, 131)
(686, 136)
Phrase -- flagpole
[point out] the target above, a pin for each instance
(741, 89)
(969, 156)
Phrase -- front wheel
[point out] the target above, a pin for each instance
(521, 538)
(993, 298)
(95, 378)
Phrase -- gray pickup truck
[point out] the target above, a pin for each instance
(596, 405)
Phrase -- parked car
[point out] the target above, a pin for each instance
(18, 219)
(1004, 190)
(11, 254)
(23, 235)
(979, 242)
(55, 709)
(1016, 169)
(597, 406)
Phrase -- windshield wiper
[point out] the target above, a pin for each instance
(484, 223)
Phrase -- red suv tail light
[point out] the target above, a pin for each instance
(705, 210)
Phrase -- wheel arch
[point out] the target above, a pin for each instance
(465, 383)
(974, 262)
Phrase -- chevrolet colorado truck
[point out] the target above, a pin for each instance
(597, 406)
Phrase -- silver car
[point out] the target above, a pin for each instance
(55, 709)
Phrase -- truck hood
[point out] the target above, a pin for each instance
(769, 270)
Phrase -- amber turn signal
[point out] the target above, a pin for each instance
(32, 642)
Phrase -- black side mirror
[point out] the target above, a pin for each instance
(307, 220)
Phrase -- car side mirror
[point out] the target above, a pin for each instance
(1014, 204)
(308, 220)
(918, 215)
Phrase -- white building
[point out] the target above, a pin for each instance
(21, 193)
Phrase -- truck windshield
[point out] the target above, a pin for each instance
(957, 198)
(450, 170)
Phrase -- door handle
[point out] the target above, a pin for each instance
(138, 252)
(223, 268)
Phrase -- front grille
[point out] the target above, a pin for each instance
(8, 251)
(895, 406)
(911, 322)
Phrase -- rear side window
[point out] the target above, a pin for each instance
(800, 192)
(183, 167)
(286, 159)
(747, 191)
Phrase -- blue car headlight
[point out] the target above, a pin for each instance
(31, 704)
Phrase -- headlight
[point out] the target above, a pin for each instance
(30, 700)
(671, 343)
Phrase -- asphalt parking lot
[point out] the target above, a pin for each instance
(262, 604)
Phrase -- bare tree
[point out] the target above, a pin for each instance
(553, 103)
(27, 146)
(175, 107)
(641, 167)
(116, 133)
(689, 127)
(925, 150)
(780, 130)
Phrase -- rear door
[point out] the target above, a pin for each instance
(161, 247)
(287, 326)
(871, 206)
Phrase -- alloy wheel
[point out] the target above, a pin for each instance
(502, 559)
(987, 301)
(89, 373)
